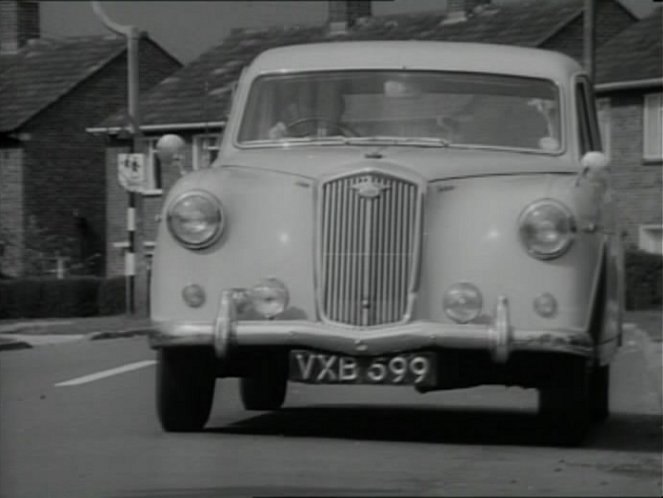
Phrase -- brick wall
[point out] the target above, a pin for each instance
(11, 210)
(611, 19)
(638, 185)
(64, 180)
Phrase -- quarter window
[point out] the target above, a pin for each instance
(653, 127)
(588, 128)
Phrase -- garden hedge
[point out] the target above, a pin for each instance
(53, 298)
(643, 280)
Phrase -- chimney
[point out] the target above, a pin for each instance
(343, 14)
(19, 22)
(460, 10)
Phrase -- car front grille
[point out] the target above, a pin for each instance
(368, 245)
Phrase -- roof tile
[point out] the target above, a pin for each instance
(634, 54)
(526, 24)
(43, 71)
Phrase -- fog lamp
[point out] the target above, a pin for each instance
(193, 295)
(546, 305)
(269, 297)
(462, 302)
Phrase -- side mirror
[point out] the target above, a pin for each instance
(594, 164)
(170, 149)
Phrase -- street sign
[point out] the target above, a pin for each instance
(131, 171)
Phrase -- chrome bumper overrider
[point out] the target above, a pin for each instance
(499, 337)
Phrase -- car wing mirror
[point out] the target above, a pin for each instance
(170, 150)
(594, 164)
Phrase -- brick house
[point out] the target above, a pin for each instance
(52, 179)
(194, 101)
(630, 94)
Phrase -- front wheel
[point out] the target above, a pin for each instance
(565, 408)
(185, 388)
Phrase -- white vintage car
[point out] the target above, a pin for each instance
(425, 214)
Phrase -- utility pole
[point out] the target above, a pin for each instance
(135, 268)
(589, 37)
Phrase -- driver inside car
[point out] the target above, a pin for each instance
(304, 118)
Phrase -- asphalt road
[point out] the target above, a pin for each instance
(78, 420)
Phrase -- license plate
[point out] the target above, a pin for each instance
(402, 369)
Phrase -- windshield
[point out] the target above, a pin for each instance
(403, 107)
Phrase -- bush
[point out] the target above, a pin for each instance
(112, 296)
(49, 297)
(643, 280)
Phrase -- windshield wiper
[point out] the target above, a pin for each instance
(390, 140)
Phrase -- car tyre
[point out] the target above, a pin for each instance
(266, 389)
(565, 409)
(185, 388)
(600, 393)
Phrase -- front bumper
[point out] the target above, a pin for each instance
(499, 337)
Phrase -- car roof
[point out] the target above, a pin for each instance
(421, 55)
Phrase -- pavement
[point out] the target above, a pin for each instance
(29, 333)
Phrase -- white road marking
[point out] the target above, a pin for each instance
(106, 373)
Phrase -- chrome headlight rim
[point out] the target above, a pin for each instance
(570, 234)
(214, 236)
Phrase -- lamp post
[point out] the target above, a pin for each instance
(135, 271)
(589, 37)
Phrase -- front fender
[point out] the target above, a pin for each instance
(268, 233)
(471, 235)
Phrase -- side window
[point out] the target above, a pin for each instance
(588, 129)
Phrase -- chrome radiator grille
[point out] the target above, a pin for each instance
(368, 248)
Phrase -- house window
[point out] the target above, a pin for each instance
(205, 150)
(650, 238)
(154, 184)
(653, 127)
(603, 111)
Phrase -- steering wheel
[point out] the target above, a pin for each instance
(344, 130)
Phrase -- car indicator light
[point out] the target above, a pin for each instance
(193, 295)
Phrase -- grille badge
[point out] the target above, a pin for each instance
(370, 188)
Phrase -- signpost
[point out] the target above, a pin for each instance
(136, 273)
(131, 171)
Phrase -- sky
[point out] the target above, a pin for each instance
(188, 28)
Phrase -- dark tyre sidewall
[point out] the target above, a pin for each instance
(266, 389)
(185, 388)
(600, 393)
(565, 409)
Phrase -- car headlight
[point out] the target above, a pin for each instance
(547, 229)
(196, 219)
